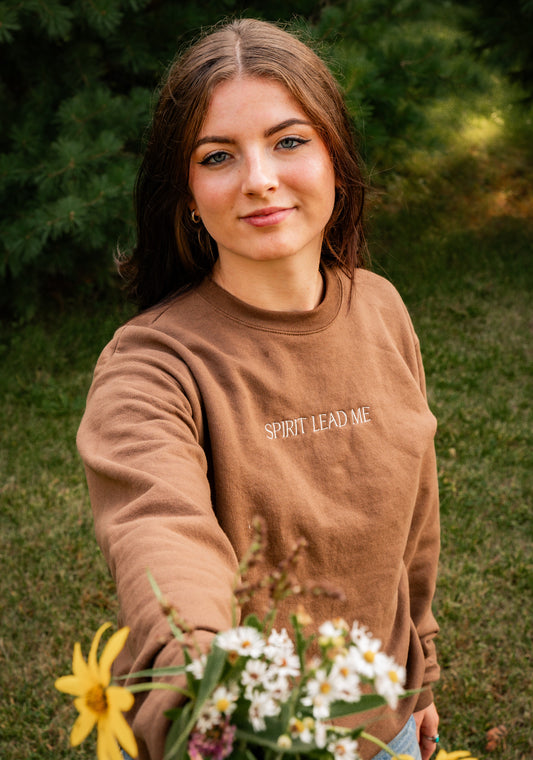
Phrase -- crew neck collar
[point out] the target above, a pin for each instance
(296, 322)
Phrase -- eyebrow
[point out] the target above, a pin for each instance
(269, 132)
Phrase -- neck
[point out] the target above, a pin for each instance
(273, 285)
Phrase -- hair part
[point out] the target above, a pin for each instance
(172, 253)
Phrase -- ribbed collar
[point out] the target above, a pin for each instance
(292, 322)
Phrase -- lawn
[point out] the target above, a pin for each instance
(454, 232)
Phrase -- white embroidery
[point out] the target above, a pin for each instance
(285, 428)
(318, 422)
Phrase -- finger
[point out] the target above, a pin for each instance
(428, 745)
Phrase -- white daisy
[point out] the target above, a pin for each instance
(196, 667)
(343, 749)
(389, 679)
(253, 676)
(224, 699)
(320, 693)
(331, 634)
(301, 729)
(261, 707)
(280, 651)
(364, 653)
(277, 685)
(245, 641)
(346, 679)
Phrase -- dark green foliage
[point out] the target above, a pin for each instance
(76, 96)
(75, 100)
(395, 58)
(505, 31)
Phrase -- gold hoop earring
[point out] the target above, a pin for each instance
(194, 216)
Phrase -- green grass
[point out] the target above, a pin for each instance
(455, 233)
(460, 252)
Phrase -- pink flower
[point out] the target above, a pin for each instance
(215, 744)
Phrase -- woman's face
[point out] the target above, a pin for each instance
(261, 179)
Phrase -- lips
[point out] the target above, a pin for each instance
(265, 217)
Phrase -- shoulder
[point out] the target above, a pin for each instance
(150, 353)
(166, 323)
(374, 297)
(376, 288)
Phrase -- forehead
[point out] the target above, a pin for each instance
(249, 102)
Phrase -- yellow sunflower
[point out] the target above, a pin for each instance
(97, 702)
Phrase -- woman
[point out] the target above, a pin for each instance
(267, 372)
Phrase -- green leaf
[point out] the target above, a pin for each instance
(253, 622)
(9, 22)
(55, 18)
(104, 16)
(213, 669)
(270, 742)
(180, 719)
(367, 702)
(171, 670)
(216, 660)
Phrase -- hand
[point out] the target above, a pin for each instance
(427, 724)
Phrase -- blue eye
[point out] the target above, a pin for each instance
(218, 157)
(289, 143)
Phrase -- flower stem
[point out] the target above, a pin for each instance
(379, 743)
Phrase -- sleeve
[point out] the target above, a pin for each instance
(422, 557)
(141, 440)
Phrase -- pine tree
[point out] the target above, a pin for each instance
(75, 99)
(504, 30)
(76, 93)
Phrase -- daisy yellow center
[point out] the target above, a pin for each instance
(369, 656)
(393, 675)
(222, 704)
(96, 699)
(325, 688)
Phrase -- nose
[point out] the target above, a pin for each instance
(259, 174)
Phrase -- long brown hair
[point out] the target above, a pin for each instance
(171, 252)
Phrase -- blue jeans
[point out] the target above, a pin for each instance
(405, 743)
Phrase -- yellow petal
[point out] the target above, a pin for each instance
(119, 698)
(123, 733)
(111, 650)
(79, 666)
(70, 685)
(92, 662)
(106, 745)
(84, 723)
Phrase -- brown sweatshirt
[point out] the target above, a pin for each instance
(206, 411)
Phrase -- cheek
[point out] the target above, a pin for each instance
(211, 195)
(317, 175)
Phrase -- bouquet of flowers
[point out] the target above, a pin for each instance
(257, 693)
